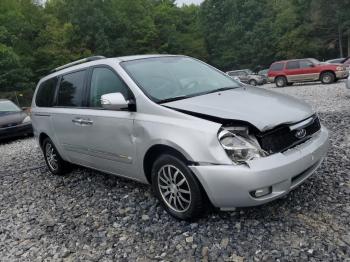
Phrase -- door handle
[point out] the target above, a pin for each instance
(77, 120)
(87, 122)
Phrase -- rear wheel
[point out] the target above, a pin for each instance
(327, 78)
(177, 189)
(253, 82)
(54, 161)
(281, 81)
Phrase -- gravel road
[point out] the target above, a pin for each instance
(90, 216)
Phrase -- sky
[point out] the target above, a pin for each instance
(180, 2)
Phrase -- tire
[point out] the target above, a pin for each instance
(281, 81)
(253, 82)
(327, 78)
(54, 161)
(189, 204)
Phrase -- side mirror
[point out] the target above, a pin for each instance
(114, 101)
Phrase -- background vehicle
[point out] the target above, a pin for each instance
(13, 120)
(263, 73)
(180, 125)
(344, 61)
(247, 76)
(304, 70)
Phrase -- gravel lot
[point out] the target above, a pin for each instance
(90, 216)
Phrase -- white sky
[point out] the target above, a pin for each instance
(180, 2)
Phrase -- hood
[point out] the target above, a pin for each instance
(11, 118)
(261, 108)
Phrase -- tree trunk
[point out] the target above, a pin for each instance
(340, 38)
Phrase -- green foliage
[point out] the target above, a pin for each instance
(229, 34)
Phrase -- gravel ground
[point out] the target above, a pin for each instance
(90, 216)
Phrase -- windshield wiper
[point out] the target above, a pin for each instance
(171, 99)
(220, 89)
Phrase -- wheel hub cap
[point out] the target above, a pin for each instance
(174, 188)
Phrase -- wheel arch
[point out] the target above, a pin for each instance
(42, 137)
(155, 151)
(328, 71)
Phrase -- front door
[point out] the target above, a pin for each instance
(308, 71)
(108, 134)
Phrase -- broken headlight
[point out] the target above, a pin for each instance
(239, 145)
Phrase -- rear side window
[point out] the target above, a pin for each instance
(276, 67)
(105, 81)
(70, 92)
(46, 93)
(292, 65)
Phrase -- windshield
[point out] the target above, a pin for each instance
(8, 106)
(314, 61)
(166, 78)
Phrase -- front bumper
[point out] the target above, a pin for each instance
(229, 186)
(17, 130)
(341, 74)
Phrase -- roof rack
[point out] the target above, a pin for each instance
(81, 61)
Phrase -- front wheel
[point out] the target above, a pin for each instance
(54, 161)
(253, 82)
(177, 189)
(327, 78)
(281, 81)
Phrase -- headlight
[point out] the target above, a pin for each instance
(340, 68)
(239, 145)
(26, 119)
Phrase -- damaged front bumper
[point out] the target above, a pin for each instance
(230, 186)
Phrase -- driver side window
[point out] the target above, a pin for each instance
(105, 81)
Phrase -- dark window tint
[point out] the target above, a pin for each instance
(232, 73)
(46, 93)
(292, 65)
(305, 64)
(105, 81)
(276, 67)
(70, 92)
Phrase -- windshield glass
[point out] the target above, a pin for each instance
(314, 61)
(164, 78)
(7, 106)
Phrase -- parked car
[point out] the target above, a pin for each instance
(335, 61)
(304, 70)
(344, 61)
(13, 120)
(247, 76)
(263, 73)
(180, 125)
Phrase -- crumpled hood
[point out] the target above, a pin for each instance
(261, 108)
(10, 118)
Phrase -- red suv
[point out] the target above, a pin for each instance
(304, 70)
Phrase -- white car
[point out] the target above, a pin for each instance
(181, 125)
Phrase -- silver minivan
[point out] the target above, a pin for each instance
(197, 136)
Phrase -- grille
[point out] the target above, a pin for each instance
(282, 138)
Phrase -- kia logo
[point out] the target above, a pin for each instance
(301, 133)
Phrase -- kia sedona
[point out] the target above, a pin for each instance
(285, 73)
(197, 136)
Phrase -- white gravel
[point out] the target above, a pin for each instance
(90, 216)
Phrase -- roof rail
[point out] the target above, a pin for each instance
(81, 61)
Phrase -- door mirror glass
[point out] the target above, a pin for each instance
(114, 101)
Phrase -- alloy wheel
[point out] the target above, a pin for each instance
(174, 188)
(51, 156)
